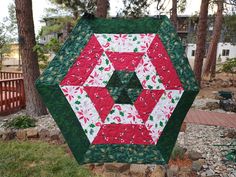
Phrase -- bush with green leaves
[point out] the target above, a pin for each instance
(229, 66)
(22, 121)
(178, 153)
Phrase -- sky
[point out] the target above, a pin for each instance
(39, 7)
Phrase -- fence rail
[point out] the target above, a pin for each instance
(10, 75)
(12, 95)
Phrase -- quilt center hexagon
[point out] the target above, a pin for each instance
(124, 87)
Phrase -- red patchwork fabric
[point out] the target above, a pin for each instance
(101, 99)
(146, 102)
(125, 60)
(163, 65)
(84, 65)
(123, 134)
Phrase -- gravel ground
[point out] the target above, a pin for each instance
(203, 139)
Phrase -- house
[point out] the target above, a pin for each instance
(12, 61)
(55, 27)
(187, 28)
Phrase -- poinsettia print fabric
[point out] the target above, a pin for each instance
(101, 73)
(84, 110)
(123, 88)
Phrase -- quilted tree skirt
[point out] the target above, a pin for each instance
(119, 90)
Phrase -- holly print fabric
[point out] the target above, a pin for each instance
(123, 88)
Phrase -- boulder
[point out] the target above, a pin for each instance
(31, 133)
(228, 105)
(212, 105)
(44, 133)
(193, 155)
(174, 169)
(197, 165)
(21, 134)
(9, 134)
(159, 171)
(138, 170)
(55, 135)
(116, 167)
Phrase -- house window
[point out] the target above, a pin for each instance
(193, 53)
(225, 52)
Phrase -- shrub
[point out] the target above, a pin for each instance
(229, 66)
(178, 153)
(22, 121)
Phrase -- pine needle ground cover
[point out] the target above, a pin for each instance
(119, 89)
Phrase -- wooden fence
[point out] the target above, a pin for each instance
(9, 75)
(12, 95)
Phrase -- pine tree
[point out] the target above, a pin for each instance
(30, 67)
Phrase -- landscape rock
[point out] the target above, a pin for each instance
(98, 170)
(228, 105)
(44, 133)
(210, 172)
(1, 132)
(212, 105)
(185, 169)
(184, 174)
(21, 134)
(193, 155)
(55, 135)
(231, 133)
(109, 174)
(169, 173)
(159, 171)
(197, 165)
(174, 169)
(31, 133)
(225, 84)
(116, 167)
(138, 170)
(183, 127)
(9, 134)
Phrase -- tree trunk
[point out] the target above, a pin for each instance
(213, 67)
(211, 55)
(75, 14)
(173, 16)
(1, 58)
(201, 40)
(102, 7)
(30, 67)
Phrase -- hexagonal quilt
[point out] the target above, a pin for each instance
(119, 89)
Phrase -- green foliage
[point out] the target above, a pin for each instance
(229, 66)
(181, 5)
(35, 159)
(230, 28)
(177, 153)
(77, 7)
(135, 8)
(21, 122)
(5, 40)
(57, 25)
(44, 51)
